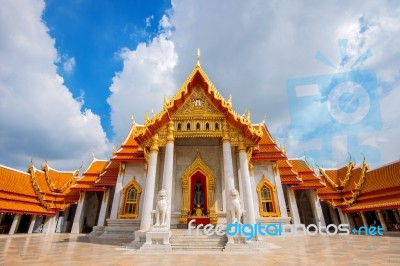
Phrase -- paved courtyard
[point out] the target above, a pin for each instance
(70, 249)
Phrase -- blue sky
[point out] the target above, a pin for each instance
(72, 73)
(93, 34)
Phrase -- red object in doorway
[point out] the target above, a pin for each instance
(200, 220)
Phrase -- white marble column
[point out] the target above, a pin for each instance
(15, 224)
(247, 197)
(294, 211)
(343, 217)
(53, 223)
(316, 208)
(254, 191)
(279, 191)
(104, 207)
(381, 220)
(32, 224)
(47, 224)
(333, 214)
(168, 168)
(228, 170)
(364, 219)
(148, 196)
(117, 192)
(79, 214)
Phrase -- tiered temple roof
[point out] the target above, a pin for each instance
(89, 177)
(307, 175)
(109, 175)
(267, 148)
(17, 194)
(37, 191)
(376, 189)
(53, 187)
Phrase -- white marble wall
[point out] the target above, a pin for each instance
(136, 170)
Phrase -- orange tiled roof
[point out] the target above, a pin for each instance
(380, 190)
(16, 182)
(58, 180)
(89, 177)
(306, 174)
(23, 207)
(343, 184)
(109, 175)
(17, 194)
(267, 149)
(52, 187)
(130, 151)
(198, 79)
(287, 174)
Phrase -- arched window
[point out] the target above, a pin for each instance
(179, 126)
(131, 197)
(198, 126)
(188, 126)
(266, 199)
(207, 126)
(216, 126)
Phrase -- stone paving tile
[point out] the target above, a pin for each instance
(69, 249)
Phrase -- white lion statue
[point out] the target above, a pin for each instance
(236, 210)
(161, 208)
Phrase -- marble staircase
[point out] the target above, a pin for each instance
(182, 241)
(116, 229)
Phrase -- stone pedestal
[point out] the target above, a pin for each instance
(157, 238)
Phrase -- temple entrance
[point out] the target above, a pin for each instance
(198, 194)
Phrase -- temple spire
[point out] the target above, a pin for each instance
(198, 57)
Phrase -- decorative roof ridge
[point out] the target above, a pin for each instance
(327, 178)
(346, 179)
(130, 133)
(264, 124)
(13, 169)
(211, 91)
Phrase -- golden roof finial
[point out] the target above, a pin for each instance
(248, 116)
(265, 119)
(165, 102)
(198, 57)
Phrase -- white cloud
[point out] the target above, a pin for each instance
(250, 50)
(69, 64)
(148, 21)
(147, 76)
(39, 117)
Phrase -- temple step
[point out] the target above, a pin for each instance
(181, 240)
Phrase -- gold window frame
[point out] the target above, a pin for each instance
(123, 212)
(272, 191)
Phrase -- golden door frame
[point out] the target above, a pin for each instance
(198, 166)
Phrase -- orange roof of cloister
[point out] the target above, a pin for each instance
(17, 194)
(380, 189)
(307, 175)
(89, 177)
